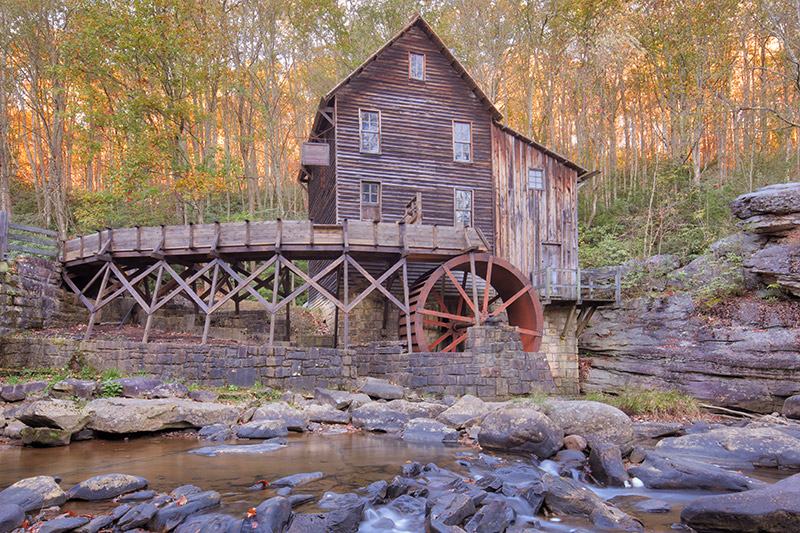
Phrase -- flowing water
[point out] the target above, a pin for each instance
(349, 461)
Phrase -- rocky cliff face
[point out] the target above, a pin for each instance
(741, 352)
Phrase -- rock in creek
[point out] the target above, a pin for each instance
(297, 480)
(44, 436)
(659, 472)
(325, 414)
(263, 429)
(96, 524)
(268, 446)
(636, 503)
(211, 523)
(294, 419)
(34, 493)
(738, 447)
(450, 508)
(171, 515)
(106, 487)
(380, 389)
(605, 461)
(467, 409)
(62, 524)
(595, 421)
(216, 433)
(11, 516)
(429, 430)
(270, 516)
(344, 520)
(772, 509)
(521, 429)
(127, 415)
(337, 399)
(391, 417)
(489, 518)
(568, 497)
(137, 516)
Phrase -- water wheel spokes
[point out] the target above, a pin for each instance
(444, 306)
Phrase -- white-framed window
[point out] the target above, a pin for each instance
(462, 204)
(462, 141)
(370, 200)
(369, 126)
(416, 66)
(536, 178)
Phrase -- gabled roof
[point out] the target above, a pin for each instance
(497, 116)
(420, 23)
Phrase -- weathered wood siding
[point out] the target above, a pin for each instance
(416, 137)
(533, 228)
(322, 185)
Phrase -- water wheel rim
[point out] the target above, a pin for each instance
(520, 301)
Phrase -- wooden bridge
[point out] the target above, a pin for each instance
(212, 264)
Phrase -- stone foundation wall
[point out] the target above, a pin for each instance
(562, 354)
(31, 297)
(297, 369)
(495, 368)
(492, 367)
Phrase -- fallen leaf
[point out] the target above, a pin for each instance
(182, 501)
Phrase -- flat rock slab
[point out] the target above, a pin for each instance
(106, 487)
(33, 493)
(18, 392)
(62, 525)
(44, 437)
(381, 389)
(137, 386)
(171, 515)
(777, 199)
(659, 472)
(335, 398)
(58, 414)
(772, 509)
(294, 419)
(429, 430)
(78, 388)
(239, 449)
(737, 447)
(325, 414)
(130, 415)
(11, 516)
(297, 480)
(210, 523)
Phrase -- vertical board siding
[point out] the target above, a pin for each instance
(416, 145)
(529, 220)
(322, 186)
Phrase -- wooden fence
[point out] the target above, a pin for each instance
(26, 239)
(574, 284)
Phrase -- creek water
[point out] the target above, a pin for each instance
(349, 461)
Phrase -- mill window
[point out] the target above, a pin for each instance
(370, 200)
(416, 66)
(463, 207)
(536, 178)
(462, 141)
(370, 129)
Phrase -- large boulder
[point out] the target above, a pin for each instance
(605, 461)
(45, 437)
(380, 389)
(467, 408)
(737, 447)
(777, 264)
(128, 415)
(20, 391)
(34, 493)
(429, 430)
(294, 419)
(59, 414)
(772, 509)
(106, 487)
(791, 407)
(568, 497)
(777, 199)
(521, 429)
(263, 429)
(659, 472)
(595, 421)
(74, 388)
(391, 417)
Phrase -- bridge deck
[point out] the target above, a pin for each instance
(296, 239)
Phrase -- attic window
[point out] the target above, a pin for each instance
(370, 129)
(416, 66)
(462, 141)
(536, 179)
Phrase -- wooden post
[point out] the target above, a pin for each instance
(275, 281)
(93, 316)
(3, 235)
(578, 296)
(407, 304)
(568, 322)
(547, 283)
(474, 289)
(211, 301)
(346, 238)
(153, 301)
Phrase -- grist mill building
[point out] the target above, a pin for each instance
(409, 137)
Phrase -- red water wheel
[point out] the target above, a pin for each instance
(443, 303)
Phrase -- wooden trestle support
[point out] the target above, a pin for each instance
(213, 264)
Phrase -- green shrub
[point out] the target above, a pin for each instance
(640, 401)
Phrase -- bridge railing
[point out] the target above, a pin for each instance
(27, 240)
(574, 284)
